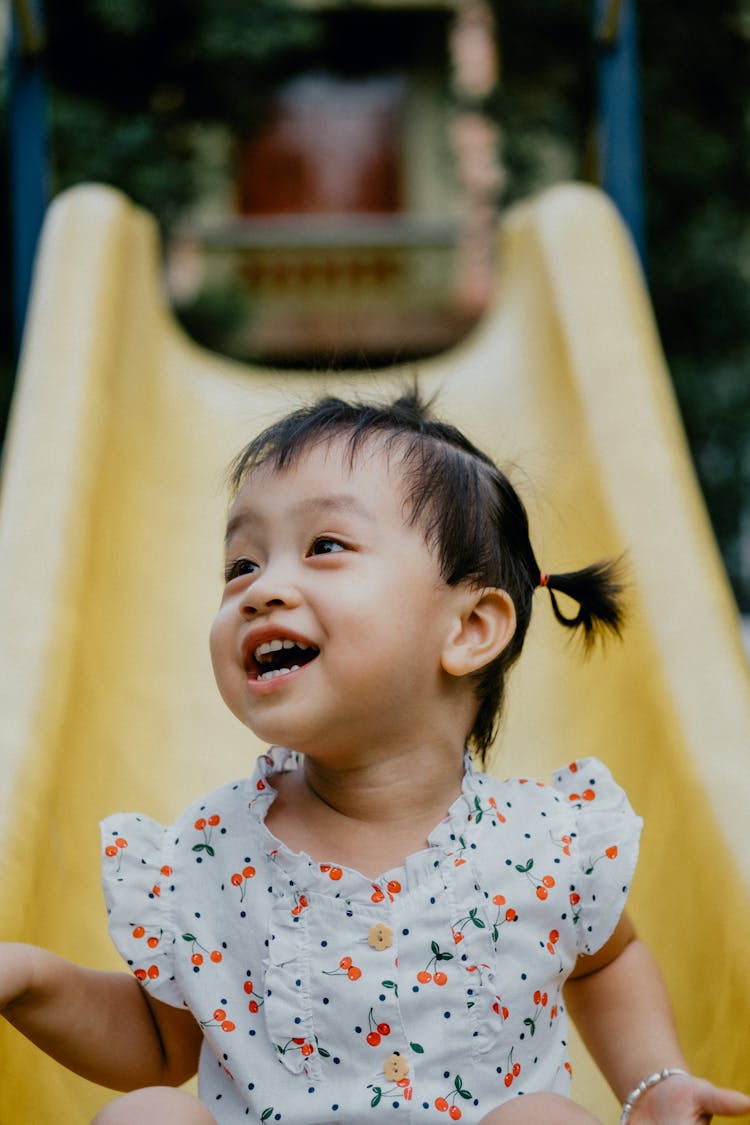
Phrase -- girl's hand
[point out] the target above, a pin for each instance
(685, 1100)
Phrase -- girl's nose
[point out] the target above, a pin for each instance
(267, 593)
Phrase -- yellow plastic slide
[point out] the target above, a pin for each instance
(110, 557)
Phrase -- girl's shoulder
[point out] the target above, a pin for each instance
(584, 784)
(199, 827)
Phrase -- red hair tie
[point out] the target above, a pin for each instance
(543, 578)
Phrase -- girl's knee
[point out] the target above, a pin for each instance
(156, 1105)
(540, 1109)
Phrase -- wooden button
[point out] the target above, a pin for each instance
(380, 936)
(395, 1067)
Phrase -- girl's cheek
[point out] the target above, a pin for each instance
(217, 641)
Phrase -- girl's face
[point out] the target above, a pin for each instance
(334, 616)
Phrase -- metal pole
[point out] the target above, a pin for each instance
(619, 124)
(28, 148)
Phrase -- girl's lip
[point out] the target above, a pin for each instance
(252, 667)
(260, 687)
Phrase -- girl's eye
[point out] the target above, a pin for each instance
(239, 568)
(325, 546)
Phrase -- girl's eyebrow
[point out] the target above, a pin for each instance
(335, 502)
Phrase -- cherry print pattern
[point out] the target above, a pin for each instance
(448, 1102)
(301, 1006)
(239, 879)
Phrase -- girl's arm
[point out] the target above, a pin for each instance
(619, 1002)
(101, 1025)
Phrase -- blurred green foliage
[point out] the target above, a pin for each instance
(132, 79)
(695, 94)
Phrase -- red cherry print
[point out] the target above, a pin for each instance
(354, 973)
(214, 820)
(454, 1113)
(110, 850)
(200, 823)
(307, 1049)
(345, 963)
(153, 972)
(508, 1080)
(541, 893)
(575, 898)
(588, 795)
(424, 977)
(138, 931)
(236, 880)
(440, 978)
(152, 942)
(227, 1025)
(140, 974)
(248, 872)
(516, 1069)
(394, 887)
(548, 881)
(384, 1028)
(499, 900)
(121, 843)
(216, 956)
(374, 1039)
(510, 915)
(298, 1041)
(248, 986)
(335, 873)
(197, 958)
(220, 1014)
(441, 1104)
(253, 1006)
(611, 852)
(166, 869)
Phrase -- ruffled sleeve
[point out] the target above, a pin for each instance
(136, 869)
(603, 846)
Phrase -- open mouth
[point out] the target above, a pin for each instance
(278, 658)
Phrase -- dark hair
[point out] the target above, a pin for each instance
(470, 515)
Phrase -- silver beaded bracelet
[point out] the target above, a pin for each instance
(653, 1080)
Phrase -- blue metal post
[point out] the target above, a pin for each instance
(619, 125)
(28, 148)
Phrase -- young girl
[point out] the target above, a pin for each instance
(368, 929)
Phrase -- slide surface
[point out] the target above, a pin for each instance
(110, 559)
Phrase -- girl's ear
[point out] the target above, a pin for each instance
(486, 625)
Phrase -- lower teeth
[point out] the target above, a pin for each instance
(274, 672)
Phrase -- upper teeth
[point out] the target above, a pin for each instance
(277, 644)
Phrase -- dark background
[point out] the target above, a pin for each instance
(132, 82)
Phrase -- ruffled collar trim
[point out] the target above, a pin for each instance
(446, 840)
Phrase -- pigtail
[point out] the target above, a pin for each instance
(598, 591)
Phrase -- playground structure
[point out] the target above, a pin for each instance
(110, 556)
